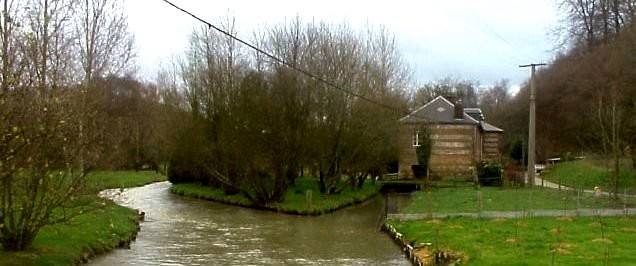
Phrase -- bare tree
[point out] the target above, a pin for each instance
(493, 101)
(258, 123)
(38, 170)
(45, 158)
(591, 22)
(105, 43)
(453, 88)
(105, 48)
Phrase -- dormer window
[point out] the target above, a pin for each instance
(416, 139)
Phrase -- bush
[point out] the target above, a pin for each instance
(489, 173)
(423, 154)
(189, 155)
(516, 150)
(183, 169)
(514, 175)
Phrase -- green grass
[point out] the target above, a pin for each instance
(208, 193)
(296, 198)
(529, 241)
(589, 173)
(100, 180)
(91, 233)
(465, 199)
(106, 226)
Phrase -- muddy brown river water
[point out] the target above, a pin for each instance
(184, 231)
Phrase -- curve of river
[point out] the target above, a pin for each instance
(184, 231)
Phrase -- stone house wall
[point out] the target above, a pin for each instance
(453, 151)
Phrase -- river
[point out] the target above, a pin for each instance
(185, 231)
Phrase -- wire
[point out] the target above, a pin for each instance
(283, 62)
(501, 38)
(512, 58)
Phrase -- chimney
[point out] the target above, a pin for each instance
(459, 109)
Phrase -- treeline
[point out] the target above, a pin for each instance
(586, 98)
(250, 124)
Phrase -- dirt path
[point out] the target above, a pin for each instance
(545, 183)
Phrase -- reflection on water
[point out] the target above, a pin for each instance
(183, 231)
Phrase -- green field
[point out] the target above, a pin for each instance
(100, 180)
(528, 241)
(590, 173)
(467, 199)
(296, 198)
(103, 227)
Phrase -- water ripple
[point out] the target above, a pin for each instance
(183, 231)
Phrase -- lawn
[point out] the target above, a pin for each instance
(296, 197)
(100, 180)
(590, 173)
(106, 226)
(466, 199)
(525, 240)
(528, 241)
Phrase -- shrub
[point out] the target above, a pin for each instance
(423, 154)
(489, 173)
(189, 154)
(516, 149)
(183, 169)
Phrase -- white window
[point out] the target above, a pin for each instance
(416, 139)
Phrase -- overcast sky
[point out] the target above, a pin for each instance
(484, 40)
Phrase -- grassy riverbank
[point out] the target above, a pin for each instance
(526, 241)
(100, 180)
(296, 199)
(104, 227)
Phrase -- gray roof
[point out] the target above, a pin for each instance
(490, 128)
(440, 110)
(475, 113)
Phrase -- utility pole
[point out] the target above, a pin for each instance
(531, 125)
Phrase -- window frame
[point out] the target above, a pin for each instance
(415, 141)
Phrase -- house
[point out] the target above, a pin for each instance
(460, 138)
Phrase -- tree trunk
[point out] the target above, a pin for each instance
(633, 158)
(615, 148)
(17, 240)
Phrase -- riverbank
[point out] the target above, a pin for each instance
(105, 226)
(511, 226)
(526, 241)
(303, 198)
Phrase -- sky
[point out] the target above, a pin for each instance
(483, 41)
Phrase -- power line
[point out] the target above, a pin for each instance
(508, 57)
(501, 38)
(283, 62)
